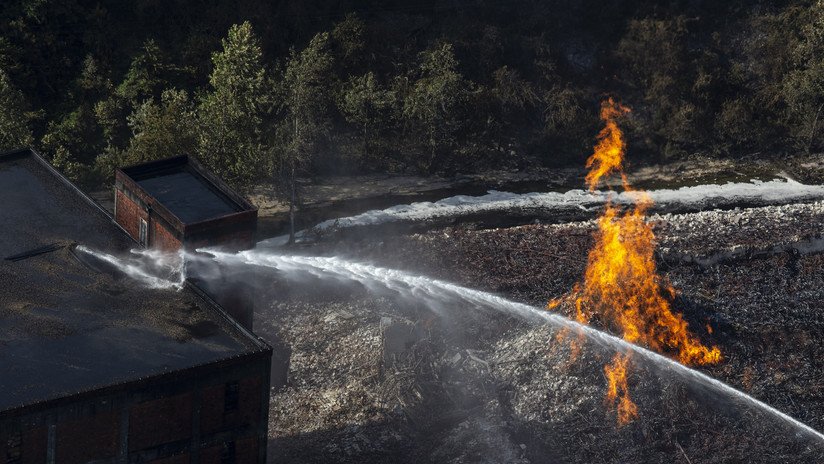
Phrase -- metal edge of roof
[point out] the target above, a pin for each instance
(126, 384)
(216, 184)
(131, 188)
(34, 154)
(220, 184)
(256, 341)
(128, 175)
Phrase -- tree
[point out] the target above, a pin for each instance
(14, 132)
(232, 115)
(74, 139)
(657, 64)
(511, 99)
(306, 101)
(778, 73)
(348, 39)
(162, 130)
(144, 81)
(364, 103)
(434, 98)
(145, 77)
(513, 92)
(803, 87)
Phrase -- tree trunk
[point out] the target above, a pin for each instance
(292, 187)
(433, 146)
(812, 129)
(296, 147)
(292, 198)
(366, 156)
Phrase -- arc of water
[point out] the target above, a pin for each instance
(416, 285)
(138, 270)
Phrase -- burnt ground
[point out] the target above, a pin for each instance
(372, 378)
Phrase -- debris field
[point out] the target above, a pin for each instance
(374, 378)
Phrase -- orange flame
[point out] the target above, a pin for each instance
(621, 286)
(609, 153)
(617, 390)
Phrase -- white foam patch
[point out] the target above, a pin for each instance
(770, 192)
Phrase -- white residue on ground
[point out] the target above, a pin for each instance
(770, 192)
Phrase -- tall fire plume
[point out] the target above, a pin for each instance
(621, 287)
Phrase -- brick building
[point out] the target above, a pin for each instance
(97, 367)
(175, 203)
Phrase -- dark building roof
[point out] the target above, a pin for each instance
(187, 196)
(67, 327)
(185, 189)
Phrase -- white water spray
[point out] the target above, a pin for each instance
(422, 287)
(145, 266)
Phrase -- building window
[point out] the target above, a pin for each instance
(144, 232)
(227, 456)
(231, 397)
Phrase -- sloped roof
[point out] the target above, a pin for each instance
(66, 327)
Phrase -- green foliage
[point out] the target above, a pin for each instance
(316, 88)
(366, 104)
(231, 116)
(14, 132)
(652, 50)
(306, 92)
(306, 99)
(91, 84)
(512, 91)
(657, 64)
(145, 77)
(778, 80)
(802, 88)
(161, 130)
(74, 141)
(434, 99)
(348, 36)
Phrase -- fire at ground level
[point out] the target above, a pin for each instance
(374, 378)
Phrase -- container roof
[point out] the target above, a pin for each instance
(187, 196)
(66, 327)
(186, 189)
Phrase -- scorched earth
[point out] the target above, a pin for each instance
(381, 376)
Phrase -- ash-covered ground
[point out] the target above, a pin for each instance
(377, 378)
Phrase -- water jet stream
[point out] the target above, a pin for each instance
(417, 286)
(142, 266)
(420, 286)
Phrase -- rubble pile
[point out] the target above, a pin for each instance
(753, 229)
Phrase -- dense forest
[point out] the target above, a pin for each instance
(259, 89)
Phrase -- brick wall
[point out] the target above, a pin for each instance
(236, 231)
(34, 445)
(128, 214)
(214, 414)
(162, 238)
(28, 446)
(231, 399)
(160, 421)
(243, 239)
(88, 438)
